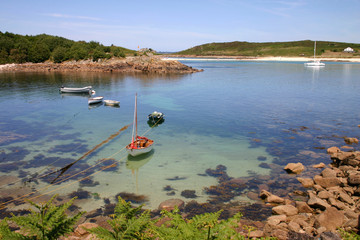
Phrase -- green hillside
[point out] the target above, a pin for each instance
(15, 48)
(290, 49)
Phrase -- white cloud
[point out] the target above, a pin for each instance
(59, 15)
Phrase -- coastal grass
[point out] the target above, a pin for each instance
(287, 49)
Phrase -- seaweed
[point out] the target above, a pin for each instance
(80, 194)
(16, 154)
(109, 209)
(189, 194)
(131, 197)
(88, 182)
(256, 212)
(168, 188)
(176, 178)
(193, 208)
(71, 147)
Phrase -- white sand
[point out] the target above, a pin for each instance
(280, 59)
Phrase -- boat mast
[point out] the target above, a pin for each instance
(136, 113)
(314, 49)
(133, 130)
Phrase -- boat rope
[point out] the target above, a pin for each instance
(35, 176)
(64, 169)
(22, 198)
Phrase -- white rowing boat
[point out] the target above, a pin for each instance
(94, 100)
(86, 89)
(111, 103)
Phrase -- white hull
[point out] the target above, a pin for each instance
(76, 90)
(315, 64)
(139, 144)
(95, 100)
(111, 103)
(138, 151)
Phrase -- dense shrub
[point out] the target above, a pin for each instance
(15, 48)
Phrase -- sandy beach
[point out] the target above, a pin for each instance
(279, 59)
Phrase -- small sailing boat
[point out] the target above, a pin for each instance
(315, 62)
(139, 144)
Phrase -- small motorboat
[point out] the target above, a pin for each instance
(94, 100)
(87, 89)
(111, 103)
(156, 116)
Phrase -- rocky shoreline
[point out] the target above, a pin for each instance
(324, 199)
(144, 64)
(330, 201)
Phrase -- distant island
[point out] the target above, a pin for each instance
(52, 53)
(275, 49)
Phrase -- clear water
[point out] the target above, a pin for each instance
(229, 114)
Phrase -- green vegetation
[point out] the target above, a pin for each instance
(126, 223)
(286, 49)
(133, 223)
(50, 222)
(348, 235)
(15, 48)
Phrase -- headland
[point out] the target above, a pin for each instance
(144, 64)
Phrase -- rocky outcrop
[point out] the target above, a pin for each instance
(333, 201)
(145, 64)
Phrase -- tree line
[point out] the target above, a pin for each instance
(15, 48)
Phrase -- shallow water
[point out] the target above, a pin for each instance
(231, 114)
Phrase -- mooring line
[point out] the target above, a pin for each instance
(68, 166)
(5, 204)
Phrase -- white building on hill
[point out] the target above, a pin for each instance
(349, 50)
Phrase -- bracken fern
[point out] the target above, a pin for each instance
(126, 223)
(47, 223)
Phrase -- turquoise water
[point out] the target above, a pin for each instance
(233, 113)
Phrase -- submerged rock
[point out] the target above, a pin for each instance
(170, 204)
(349, 140)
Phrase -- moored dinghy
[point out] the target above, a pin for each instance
(94, 100)
(156, 116)
(111, 103)
(86, 89)
(139, 144)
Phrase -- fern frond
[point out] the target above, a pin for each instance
(127, 223)
(48, 222)
(7, 234)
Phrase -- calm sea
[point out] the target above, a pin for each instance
(242, 115)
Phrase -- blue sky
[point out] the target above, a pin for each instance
(167, 25)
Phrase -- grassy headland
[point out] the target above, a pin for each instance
(287, 49)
